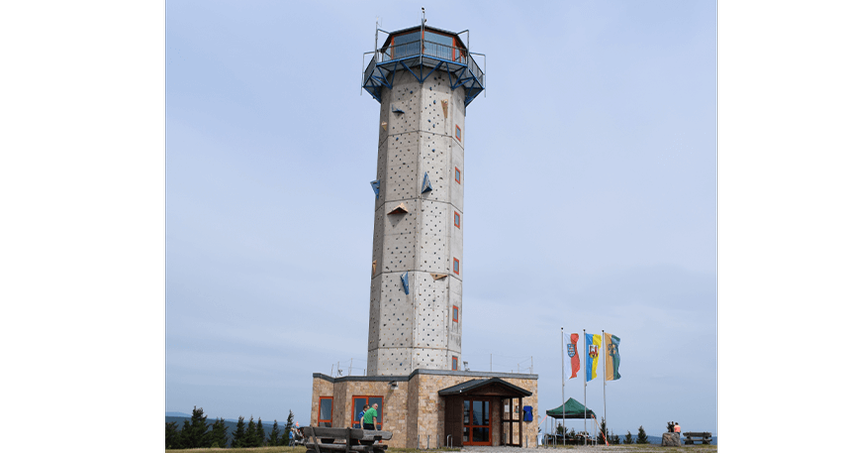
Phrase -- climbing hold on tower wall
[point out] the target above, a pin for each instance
(375, 186)
(404, 280)
(400, 209)
(427, 185)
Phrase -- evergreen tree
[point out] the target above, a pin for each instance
(628, 439)
(603, 431)
(218, 437)
(288, 425)
(614, 439)
(239, 435)
(260, 440)
(274, 439)
(172, 436)
(250, 436)
(195, 434)
(641, 436)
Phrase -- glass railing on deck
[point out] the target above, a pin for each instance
(430, 49)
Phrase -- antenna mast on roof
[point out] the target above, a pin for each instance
(376, 39)
(422, 33)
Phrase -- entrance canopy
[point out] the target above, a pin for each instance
(574, 409)
(472, 406)
(486, 387)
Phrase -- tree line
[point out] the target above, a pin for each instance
(197, 433)
(613, 439)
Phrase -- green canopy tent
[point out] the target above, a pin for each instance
(574, 409)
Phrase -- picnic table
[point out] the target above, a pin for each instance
(334, 440)
(558, 439)
(692, 437)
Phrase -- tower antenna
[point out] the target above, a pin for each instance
(376, 40)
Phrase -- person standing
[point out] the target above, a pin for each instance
(677, 430)
(361, 415)
(368, 421)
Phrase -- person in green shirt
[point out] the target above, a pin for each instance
(370, 417)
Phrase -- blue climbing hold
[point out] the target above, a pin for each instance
(427, 185)
(404, 279)
(375, 186)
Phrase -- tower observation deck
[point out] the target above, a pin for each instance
(422, 51)
(424, 78)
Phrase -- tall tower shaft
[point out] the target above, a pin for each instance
(424, 78)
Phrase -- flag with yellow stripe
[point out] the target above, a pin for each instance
(593, 343)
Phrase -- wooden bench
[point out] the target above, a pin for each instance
(333, 440)
(691, 438)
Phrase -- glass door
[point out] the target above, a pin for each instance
(477, 422)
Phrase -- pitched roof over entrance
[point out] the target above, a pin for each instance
(492, 386)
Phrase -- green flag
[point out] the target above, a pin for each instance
(612, 357)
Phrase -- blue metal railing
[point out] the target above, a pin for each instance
(430, 53)
(429, 49)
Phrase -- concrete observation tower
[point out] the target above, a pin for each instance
(424, 79)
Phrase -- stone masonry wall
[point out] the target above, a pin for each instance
(414, 410)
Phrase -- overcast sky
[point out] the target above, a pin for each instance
(590, 199)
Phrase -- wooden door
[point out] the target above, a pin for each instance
(452, 422)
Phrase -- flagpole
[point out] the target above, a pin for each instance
(587, 354)
(563, 381)
(604, 412)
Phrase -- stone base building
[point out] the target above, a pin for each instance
(434, 408)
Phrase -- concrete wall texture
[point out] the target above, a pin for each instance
(417, 330)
